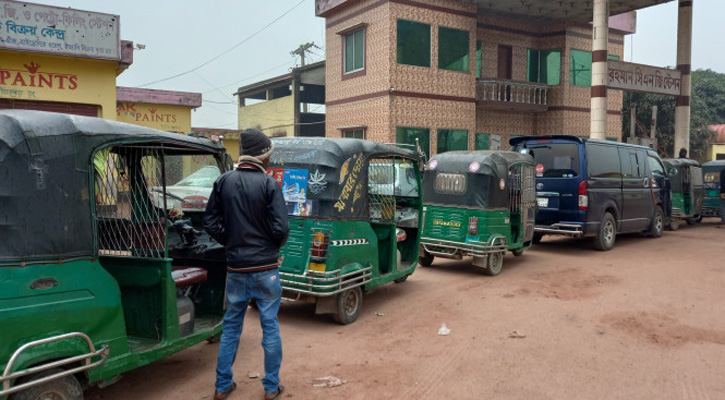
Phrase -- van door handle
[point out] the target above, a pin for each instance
(43, 283)
(645, 182)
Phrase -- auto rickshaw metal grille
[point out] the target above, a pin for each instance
(129, 210)
(382, 189)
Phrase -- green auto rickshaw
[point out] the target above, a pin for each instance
(354, 208)
(103, 263)
(479, 204)
(711, 176)
(687, 191)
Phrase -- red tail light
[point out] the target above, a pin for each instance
(320, 243)
(583, 198)
(473, 226)
(195, 202)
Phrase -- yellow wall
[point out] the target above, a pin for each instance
(715, 149)
(273, 117)
(158, 116)
(32, 76)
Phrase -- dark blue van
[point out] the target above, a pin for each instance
(596, 188)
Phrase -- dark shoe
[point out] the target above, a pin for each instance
(721, 226)
(225, 395)
(276, 395)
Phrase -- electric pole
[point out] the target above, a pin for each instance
(300, 51)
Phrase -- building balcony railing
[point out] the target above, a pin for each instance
(506, 95)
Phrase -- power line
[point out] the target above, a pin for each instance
(253, 76)
(227, 51)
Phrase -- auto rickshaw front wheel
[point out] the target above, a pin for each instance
(675, 224)
(349, 304)
(65, 388)
(494, 264)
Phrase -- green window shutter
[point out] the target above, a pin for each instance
(406, 135)
(449, 140)
(550, 70)
(359, 38)
(453, 49)
(532, 62)
(580, 68)
(413, 43)
(612, 57)
(479, 58)
(482, 141)
(349, 53)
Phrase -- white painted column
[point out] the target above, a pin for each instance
(600, 39)
(684, 63)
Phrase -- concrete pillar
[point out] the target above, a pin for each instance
(600, 39)
(684, 60)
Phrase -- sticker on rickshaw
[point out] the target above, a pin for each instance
(433, 164)
(502, 184)
(475, 166)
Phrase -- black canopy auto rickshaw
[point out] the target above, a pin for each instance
(354, 208)
(687, 190)
(711, 176)
(103, 266)
(479, 204)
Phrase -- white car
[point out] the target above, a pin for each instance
(190, 193)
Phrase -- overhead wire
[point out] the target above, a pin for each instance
(226, 51)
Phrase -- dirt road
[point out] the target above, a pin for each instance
(643, 321)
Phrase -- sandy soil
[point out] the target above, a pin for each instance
(563, 321)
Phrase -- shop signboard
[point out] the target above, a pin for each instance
(643, 78)
(55, 30)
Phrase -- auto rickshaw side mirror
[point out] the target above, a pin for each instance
(672, 171)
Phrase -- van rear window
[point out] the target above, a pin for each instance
(555, 160)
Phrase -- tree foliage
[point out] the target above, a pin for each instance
(707, 107)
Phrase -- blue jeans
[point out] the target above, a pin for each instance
(264, 287)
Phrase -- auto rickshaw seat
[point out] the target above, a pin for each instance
(185, 276)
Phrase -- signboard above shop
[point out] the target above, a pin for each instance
(643, 78)
(55, 30)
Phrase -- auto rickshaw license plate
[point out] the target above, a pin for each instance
(542, 201)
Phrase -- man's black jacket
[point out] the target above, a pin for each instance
(246, 213)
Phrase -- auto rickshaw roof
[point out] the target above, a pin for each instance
(714, 164)
(23, 126)
(331, 151)
(679, 162)
(489, 160)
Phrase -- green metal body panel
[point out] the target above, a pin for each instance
(353, 246)
(451, 224)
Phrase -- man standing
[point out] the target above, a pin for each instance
(246, 213)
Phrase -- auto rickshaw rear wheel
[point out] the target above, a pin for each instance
(494, 264)
(402, 279)
(349, 304)
(426, 259)
(675, 224)
(694, 220)
(537, 238)
(65, 388)
(518, 252)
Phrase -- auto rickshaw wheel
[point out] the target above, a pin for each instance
(426, 259)
(694, 220)
(349, 304)
(675, 224)
(658, 223)
(607, 233)
(65, 388)
(518, 252)
(494, 264)
(402, 279)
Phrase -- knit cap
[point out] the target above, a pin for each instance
(255, 143)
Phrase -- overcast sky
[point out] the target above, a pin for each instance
(217, 46)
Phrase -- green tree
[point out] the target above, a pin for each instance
(707, 107)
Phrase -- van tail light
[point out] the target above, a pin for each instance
(320, 243)
(583, 198)
(473, 226)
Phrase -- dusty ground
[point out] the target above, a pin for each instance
(643, 321)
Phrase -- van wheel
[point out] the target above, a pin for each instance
(518, 252)
(675, 224)
(494, 264)
(349, 304)
(65, 388)
(607, 233)
(658, 223)
(426, 259)
(537, 238)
